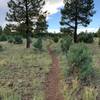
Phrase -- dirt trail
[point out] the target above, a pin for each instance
(52, 81)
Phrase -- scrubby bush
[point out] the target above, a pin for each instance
(55, 39)
(10, 39)
(18, 40)
(85, 37)
(38, 44)
(95, 35)
(80, 61)
(3, 37)
(66, 43)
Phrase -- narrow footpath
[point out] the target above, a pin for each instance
(52, 90)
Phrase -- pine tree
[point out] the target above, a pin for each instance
(24, 11)
(75, 13)
(41, 24)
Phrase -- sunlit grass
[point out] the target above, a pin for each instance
(22, 72)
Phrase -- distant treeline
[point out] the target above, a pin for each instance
(59, 35)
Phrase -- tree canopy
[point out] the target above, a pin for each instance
(25, 11)
(75, 13)
(41, 24)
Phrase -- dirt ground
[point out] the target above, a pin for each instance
(52, 91)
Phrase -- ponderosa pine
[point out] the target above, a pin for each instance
(25, 11)
(75, 13)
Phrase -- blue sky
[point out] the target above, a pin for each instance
(96, 19)
(53, 6)
(94, 25)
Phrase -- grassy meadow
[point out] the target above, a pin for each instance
(23, 71)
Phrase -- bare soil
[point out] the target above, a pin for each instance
(52, 90)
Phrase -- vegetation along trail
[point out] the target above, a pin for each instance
(52, 91)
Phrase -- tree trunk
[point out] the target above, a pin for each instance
(27, 39)
(27, 26)
(76, 24)
(75, 32)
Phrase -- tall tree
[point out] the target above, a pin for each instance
(75, 13)
(24, 11)
(41, 24)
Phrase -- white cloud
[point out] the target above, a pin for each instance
(53, 30)
(53, 6)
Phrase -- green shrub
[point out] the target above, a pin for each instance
(55, 39)
(18, 40)
(3, 37)
(85, 37)
(66, 43)
(38, 44)
(80, 61)
(10, 39)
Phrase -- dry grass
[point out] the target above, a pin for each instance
(22, 72)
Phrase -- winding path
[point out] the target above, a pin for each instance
(52, 91)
